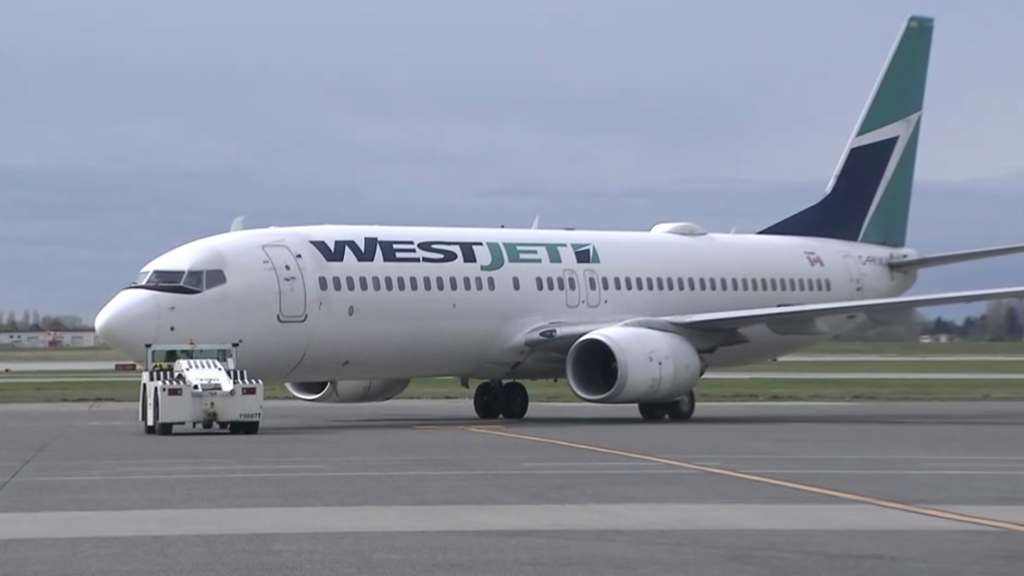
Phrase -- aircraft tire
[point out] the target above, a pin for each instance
(515, 400)
(683, 408)
(487, 400)
(654, 412)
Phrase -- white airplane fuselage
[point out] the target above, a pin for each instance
(301, 317)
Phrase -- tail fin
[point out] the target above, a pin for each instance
(868, 199)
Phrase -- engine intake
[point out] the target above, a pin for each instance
(347, 391)
(625, 365)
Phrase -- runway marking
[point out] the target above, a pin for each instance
(235, 476)
(657, 517)
(882, 503)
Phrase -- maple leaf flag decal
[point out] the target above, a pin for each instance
(813, 259)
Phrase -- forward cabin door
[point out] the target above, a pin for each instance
(291, 284)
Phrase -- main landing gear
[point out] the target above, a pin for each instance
(493, 399)
(681, 409)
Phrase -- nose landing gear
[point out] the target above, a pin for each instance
(494, 399)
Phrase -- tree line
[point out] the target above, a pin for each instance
(1002, 320)
(33, 321)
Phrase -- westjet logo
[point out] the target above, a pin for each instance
(495, 254)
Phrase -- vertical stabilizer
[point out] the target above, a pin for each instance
(868, 198)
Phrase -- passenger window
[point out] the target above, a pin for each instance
(800, 284)
(746, 285)
(711, 282)
(764, 284)
(551, 284)
(592, 283)
(194, 279)
(479, 284)
(401, 283)
(703, 285)
(350, 283)
(681, 286)
(413, 283)
(426, 284)
(775, 287)
(828, 285)
(735, 285)
(629, 283)
(650, 284)
(817, 282)
(561, 284)
(453, 283)
(215, 278)
(337, 283)
(323, 284)
(810, 284)
(661, 284)
(604, 283)
(490, 283)
(440, 284)
(782, 284)
(376, 284)
(572, 284)
(363, 285)
(725, 285)
(467, 283)
(540, 284)
(691, 284)
(753, 284)
(515, 283)
(388, 284)
(670, 284)
(792, 285)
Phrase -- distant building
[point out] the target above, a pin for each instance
(50, 339)
(932, 338)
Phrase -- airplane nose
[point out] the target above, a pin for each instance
(128, 322)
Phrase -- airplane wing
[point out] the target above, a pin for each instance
(955, 257)
(722, 328)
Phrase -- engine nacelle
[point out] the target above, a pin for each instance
(625, 365)
(347, 391)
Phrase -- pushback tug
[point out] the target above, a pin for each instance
(198, 386)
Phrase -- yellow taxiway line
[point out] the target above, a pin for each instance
(933, 512)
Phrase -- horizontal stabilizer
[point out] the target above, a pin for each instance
(955, 257)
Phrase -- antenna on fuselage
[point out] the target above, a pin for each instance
(237, 224)
(536, 222)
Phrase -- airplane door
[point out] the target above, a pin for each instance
(593, 287)
(856, 278)
(290, 283)
(572, 289)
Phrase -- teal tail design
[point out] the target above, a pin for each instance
(868, 199)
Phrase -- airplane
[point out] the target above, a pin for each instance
(350, 313)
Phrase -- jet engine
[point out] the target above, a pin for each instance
(624, 365)
(347, 391)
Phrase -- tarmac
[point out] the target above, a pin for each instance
(423, 487)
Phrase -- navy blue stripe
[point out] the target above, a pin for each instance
(841, 214)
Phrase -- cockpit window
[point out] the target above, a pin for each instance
(180, 281)
(194, 279)
(165, 277)
(215, 278)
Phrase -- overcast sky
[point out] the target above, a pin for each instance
(127, 127)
